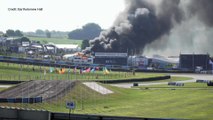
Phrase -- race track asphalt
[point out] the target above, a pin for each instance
(193, 76)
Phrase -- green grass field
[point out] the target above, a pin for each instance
(151, 103)
(56, 40)
(1, 89)
(192, 101)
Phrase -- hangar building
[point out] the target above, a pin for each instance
(194, 61)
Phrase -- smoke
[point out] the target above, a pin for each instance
(163, 26)
(193, 35)
(203, 10)
(138, 26)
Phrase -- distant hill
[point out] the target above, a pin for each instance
(87, 32)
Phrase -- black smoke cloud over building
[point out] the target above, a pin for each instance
(145, 21)
(203, 10)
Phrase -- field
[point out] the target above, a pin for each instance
(56, 40)
(10, 71)
(191, 101)
(152, 103)
(2, 89)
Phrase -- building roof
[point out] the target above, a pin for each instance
(66, 46)
(166, 59)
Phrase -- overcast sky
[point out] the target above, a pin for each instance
(63, 15)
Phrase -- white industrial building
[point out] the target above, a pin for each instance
(155, 62)
(68, 47)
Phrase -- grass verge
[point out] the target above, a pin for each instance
(56, 40)
(10, 71)
(151, 103)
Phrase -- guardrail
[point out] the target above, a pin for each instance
(21, 100)
(134, 79)
(66, 116)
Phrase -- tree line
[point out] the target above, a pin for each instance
(87, 32)
(14, 33)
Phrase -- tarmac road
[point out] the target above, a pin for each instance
(5, 86)
(194, 76)
(129, 85)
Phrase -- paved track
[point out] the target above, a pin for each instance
(5, 86)
(194, 76)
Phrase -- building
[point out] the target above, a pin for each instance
(195, 61)
(140, 62)
(162, 63)
(50, 48)
(2, 39)
(68, 47)
(156, 62)
(105, 58)
(78, 58)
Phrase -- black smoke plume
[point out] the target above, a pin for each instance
(203, 10)
(193, 35)
(163, 26)
(141, 23)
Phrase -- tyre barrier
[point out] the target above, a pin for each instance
(175, 84)
(135, 84)
(21, 100)
(179, 84)
(66, 116)
(202, 81)
(7, 82)
(134, 80)
(210, 83)
(172, 83)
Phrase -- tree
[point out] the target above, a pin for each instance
(25, 39)
(40, 32)
(91, 26)
(5, 35)
(48, 34)
(75, 34)
(10, 33)
(18, 33)
(85, 43)
(88, 31)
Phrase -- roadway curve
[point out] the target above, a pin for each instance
(193, 76)
(5, 86)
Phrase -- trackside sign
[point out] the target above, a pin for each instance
(70, 105)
